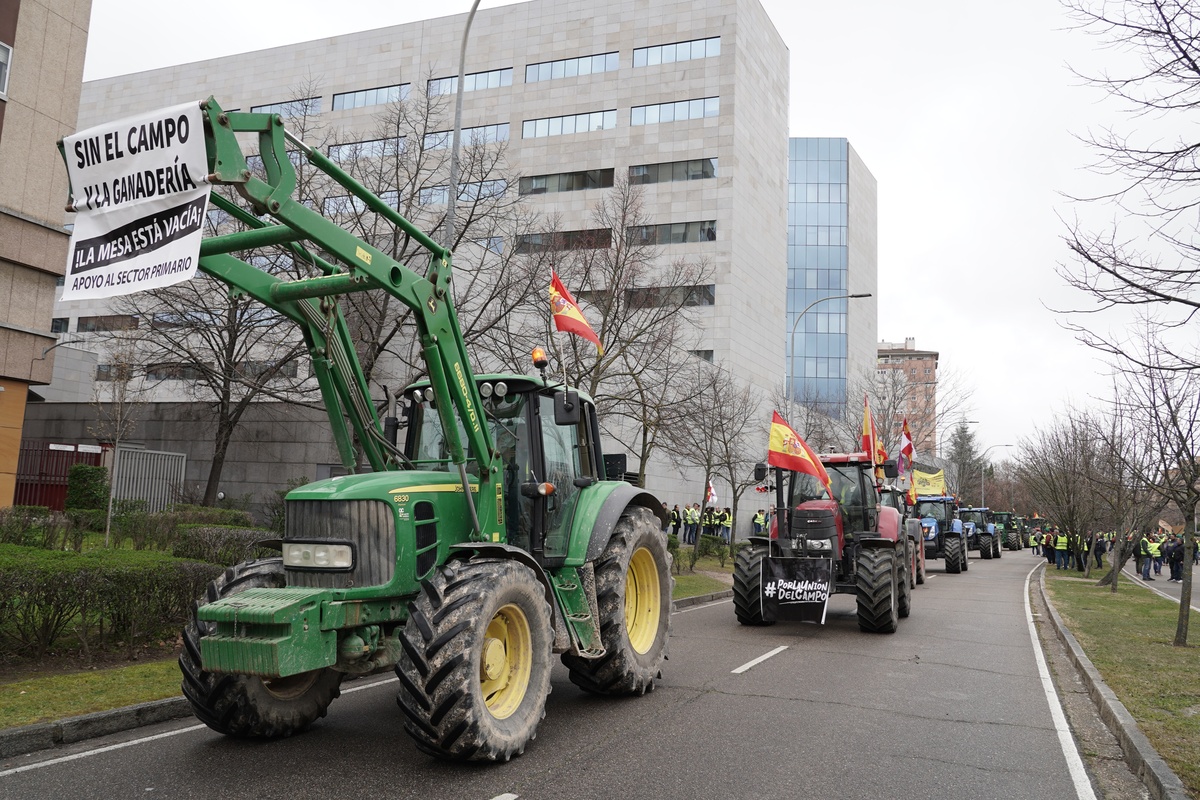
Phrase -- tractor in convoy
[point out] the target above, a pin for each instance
(892, 496)
(942, 531)
(869, 553)
(460, 559)
(1009, 529)
(981, 531)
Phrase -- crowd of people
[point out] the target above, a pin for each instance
(1151, 550)
(709, 521)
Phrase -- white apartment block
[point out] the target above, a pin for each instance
(574, 86)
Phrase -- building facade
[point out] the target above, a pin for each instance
(688, 101)
(42, 44)
(832, 252)
(910, 376)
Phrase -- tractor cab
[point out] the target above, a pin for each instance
(821, 524)
(547, 438)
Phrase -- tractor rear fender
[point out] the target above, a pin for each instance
(604, 503)
(912, 529)
(889, 523)
(496, 550)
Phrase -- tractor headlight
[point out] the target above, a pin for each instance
(324, 556)
(820, 544)
(929, 532)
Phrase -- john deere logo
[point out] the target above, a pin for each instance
(432, 303)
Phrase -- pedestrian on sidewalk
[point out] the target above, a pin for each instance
(1048, 545)
(1147, 561)
(676, 520)
(1062, 552)
(1156, 554)
(1175, 560)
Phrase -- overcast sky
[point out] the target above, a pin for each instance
(966, 113)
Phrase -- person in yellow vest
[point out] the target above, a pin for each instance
(1035, 542)
(760, 521)
(1062, 553)
(1155, 547)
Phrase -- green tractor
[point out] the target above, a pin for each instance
(462, 559)
(1009, 529)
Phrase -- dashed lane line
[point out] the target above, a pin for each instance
(759, 660)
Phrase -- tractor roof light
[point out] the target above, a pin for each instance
(485, 390)
(501, 389)
(539, 358)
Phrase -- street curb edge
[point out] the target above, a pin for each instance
(1143, 759)
(45, 735)
(685, 602)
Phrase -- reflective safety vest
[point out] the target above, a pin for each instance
(1060, 542)
(1155, 549)
(759, 519)
(693, 516)
(1033, 540)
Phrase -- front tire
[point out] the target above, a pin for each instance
(475, 671)
(954, 555)
(877, 575)
(633, 592)
(904, 582)
(985, 547)
(246, 705)
(996, 547)
(747, 586)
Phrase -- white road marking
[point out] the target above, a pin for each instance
(156, 737)
(506, 796)
(929, 577)
(1083, 786)
(99, 750)
(703, 605)
(760, 659)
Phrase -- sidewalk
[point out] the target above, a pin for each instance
(1161, 586)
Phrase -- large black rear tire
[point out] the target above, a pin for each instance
(985, 546)
(954, 555)
(245, 705)
(633, 573)
(877, 577)
(475, 671)
(747, 585)
(996, 546)
(904, 582)
(966, 558)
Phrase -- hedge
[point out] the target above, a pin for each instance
(87, 487)
(129, 593)
(220, 545)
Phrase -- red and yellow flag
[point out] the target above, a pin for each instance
(566, 313)
(869, 439)
(788, 451)
(904, 463)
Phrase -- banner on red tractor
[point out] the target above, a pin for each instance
(796, 589)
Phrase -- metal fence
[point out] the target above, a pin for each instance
(42, 469)
(153, 476)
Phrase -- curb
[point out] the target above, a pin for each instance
(1143, 759)
(685, 602)
(44, 735)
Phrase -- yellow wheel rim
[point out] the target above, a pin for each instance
(642, 599)
(505, 661)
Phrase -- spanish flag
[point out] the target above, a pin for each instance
(566, 313)
(869, 439)
(788, 451)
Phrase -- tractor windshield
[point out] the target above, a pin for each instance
(934, 509)
(505, 415)
(973, 516)
(807, 487)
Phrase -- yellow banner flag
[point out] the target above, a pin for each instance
(930, 483)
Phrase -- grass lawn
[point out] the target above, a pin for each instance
(49, 698)
(1128, 637)
(690, 584)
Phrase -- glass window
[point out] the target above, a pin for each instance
(5, 66)
(290, 108)
(572, 67)
(59, 324)
(677, 51)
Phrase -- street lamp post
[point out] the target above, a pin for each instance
(452, 200)
(791, 391)
(982, 464)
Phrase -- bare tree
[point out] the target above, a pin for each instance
(895, 396)
(1054, 463)
(642, 306)
(724, 433)
(1150, 259)
(117, 403)
(1165, 403)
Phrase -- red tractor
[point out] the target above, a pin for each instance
(870, 555)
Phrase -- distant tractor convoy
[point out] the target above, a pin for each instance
(492, 537)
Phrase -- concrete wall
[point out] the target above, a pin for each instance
(863, 275)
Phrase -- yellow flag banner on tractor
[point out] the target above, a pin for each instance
(929, 483)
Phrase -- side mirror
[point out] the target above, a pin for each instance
(615, 466)
(889, 470)
(760, 472)
(566, 408)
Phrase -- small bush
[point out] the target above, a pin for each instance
(208, 515)
(220, 545)
(135, 594)
(710, 544)
(88, 519)
(87, 487)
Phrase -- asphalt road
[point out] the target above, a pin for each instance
(951, 706)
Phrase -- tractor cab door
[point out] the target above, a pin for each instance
(564, 460)
(870, 500)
